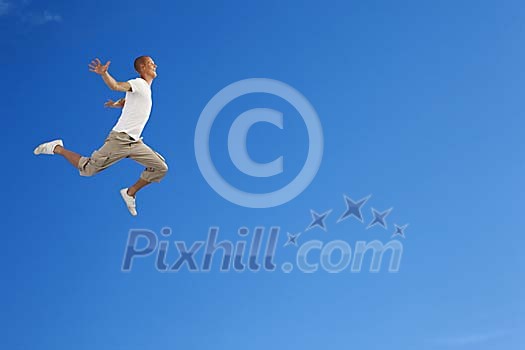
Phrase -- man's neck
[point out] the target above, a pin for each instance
(148, 79)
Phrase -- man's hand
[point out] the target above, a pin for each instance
(102, 70)
(115, 104)
(97, 67)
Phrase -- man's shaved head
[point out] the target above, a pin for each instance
(139, 61)
(146, 67)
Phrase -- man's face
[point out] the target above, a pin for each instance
(150, 68)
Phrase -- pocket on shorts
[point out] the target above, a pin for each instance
(100, 159)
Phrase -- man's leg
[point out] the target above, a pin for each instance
(57, 147)
(156, 169)
(137, 187)
(113, 150)
(71, 156)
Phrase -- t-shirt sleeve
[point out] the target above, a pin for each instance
(135, 85)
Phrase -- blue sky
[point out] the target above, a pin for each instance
(421, 107)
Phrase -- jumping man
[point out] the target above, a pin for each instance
(124, 140)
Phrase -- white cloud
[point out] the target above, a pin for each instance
(4, 7)
(20, 10)
(50, 17)
(41, 18)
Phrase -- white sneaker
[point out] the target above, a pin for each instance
(48, 147)
(130, 201)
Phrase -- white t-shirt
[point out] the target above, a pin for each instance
(137, 108)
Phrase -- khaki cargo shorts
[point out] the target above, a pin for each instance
(119, 145)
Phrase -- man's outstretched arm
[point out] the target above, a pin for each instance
(102, 70)
(115, 104)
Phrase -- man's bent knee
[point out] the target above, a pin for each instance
(161, 171)
(164, 169)
(155, 174)
(86, 167)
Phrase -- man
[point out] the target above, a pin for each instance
(124, 140)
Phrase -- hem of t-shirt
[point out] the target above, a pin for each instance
(134, 137)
